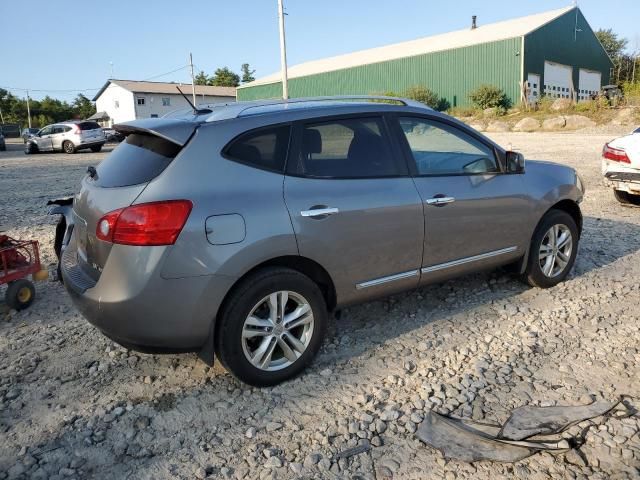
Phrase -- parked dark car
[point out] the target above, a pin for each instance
(3, 144)
(237, 229)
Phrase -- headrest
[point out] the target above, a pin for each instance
(312, 141)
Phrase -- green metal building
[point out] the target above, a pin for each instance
(554, 53)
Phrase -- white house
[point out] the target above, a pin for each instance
(125, 100)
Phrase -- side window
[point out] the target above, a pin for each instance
(265, 148)
(46, 131)
(347, 148)
(58, 129)
(440, 149)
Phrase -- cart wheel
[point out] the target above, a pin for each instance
(20, 294)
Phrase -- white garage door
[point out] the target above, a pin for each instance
(590, 83)
(558, 80)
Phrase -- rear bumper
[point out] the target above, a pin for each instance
(131, 304)
(622, 178)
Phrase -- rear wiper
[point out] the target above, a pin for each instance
(196, 111)
(92, 171)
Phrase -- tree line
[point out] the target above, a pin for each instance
(626, 63)
(225, 77)
(43, 112)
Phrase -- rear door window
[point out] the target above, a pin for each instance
(346, 148)
(139, 159)
(265, 148)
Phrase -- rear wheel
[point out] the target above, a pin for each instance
(271, 327)
(553, 250)
(20, 294)
(96, 149)
(68, 147)
(626, 198)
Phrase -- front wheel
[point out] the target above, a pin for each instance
(68, 147)
(20, 294)
(626, 198)
(553, 250)
(271, 326)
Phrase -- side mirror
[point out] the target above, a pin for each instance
(515, 162)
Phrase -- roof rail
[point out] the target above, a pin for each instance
(235, 110)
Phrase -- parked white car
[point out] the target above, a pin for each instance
(621, 167)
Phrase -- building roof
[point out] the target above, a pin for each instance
(136, 86)
(493, 32)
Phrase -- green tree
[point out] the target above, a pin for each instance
(223, 77)
(247, 73)
(202, 79)
(612, 43)
(82, 107)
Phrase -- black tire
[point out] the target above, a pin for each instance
(534, 274)
(96, 149)
(20, 294)
(626, 198)
(30, 149)
(68, 147)
(228, 342)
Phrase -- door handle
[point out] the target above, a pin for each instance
(319, 212)
(440, 201)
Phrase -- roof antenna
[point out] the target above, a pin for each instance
(196, 111)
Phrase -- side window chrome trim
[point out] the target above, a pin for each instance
(390, 278)
(463, 261)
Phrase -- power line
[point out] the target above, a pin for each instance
(74, 90)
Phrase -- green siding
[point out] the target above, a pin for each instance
(557, 42)
(452, 74)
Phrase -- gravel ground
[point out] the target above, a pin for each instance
(75, 405)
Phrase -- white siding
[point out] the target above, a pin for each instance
(118, 103)
(153, 102)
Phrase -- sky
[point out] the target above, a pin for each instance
(70, 45)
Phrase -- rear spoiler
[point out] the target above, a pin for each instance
(174, 130)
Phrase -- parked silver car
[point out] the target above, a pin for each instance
(238, 229)
(68, 137)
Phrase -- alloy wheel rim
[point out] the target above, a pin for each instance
(277, 331)
(555, 250)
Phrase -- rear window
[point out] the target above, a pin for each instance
(265, 148)
(88, 125)
(139, 159)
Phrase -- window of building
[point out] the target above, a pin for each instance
(346, 148)
(166, 101)
(440, 149)
(265, 148)
(154, 115)
(116, 104)
(140, 100)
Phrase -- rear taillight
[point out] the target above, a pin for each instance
(615, 154)
(77, 130)
(147, 224)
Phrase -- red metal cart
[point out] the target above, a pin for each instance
(18, 260)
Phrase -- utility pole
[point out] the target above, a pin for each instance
(28, 109)
(283, 52)
(111, 69)
(1, 116)
(193, 81)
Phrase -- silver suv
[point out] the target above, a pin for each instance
(68, 137)
(238, 229)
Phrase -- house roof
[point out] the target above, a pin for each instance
(136, 86)
(493, 32)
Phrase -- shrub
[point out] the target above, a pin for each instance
(489, 96)
(423, 95)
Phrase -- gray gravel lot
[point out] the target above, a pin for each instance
(75, 405)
